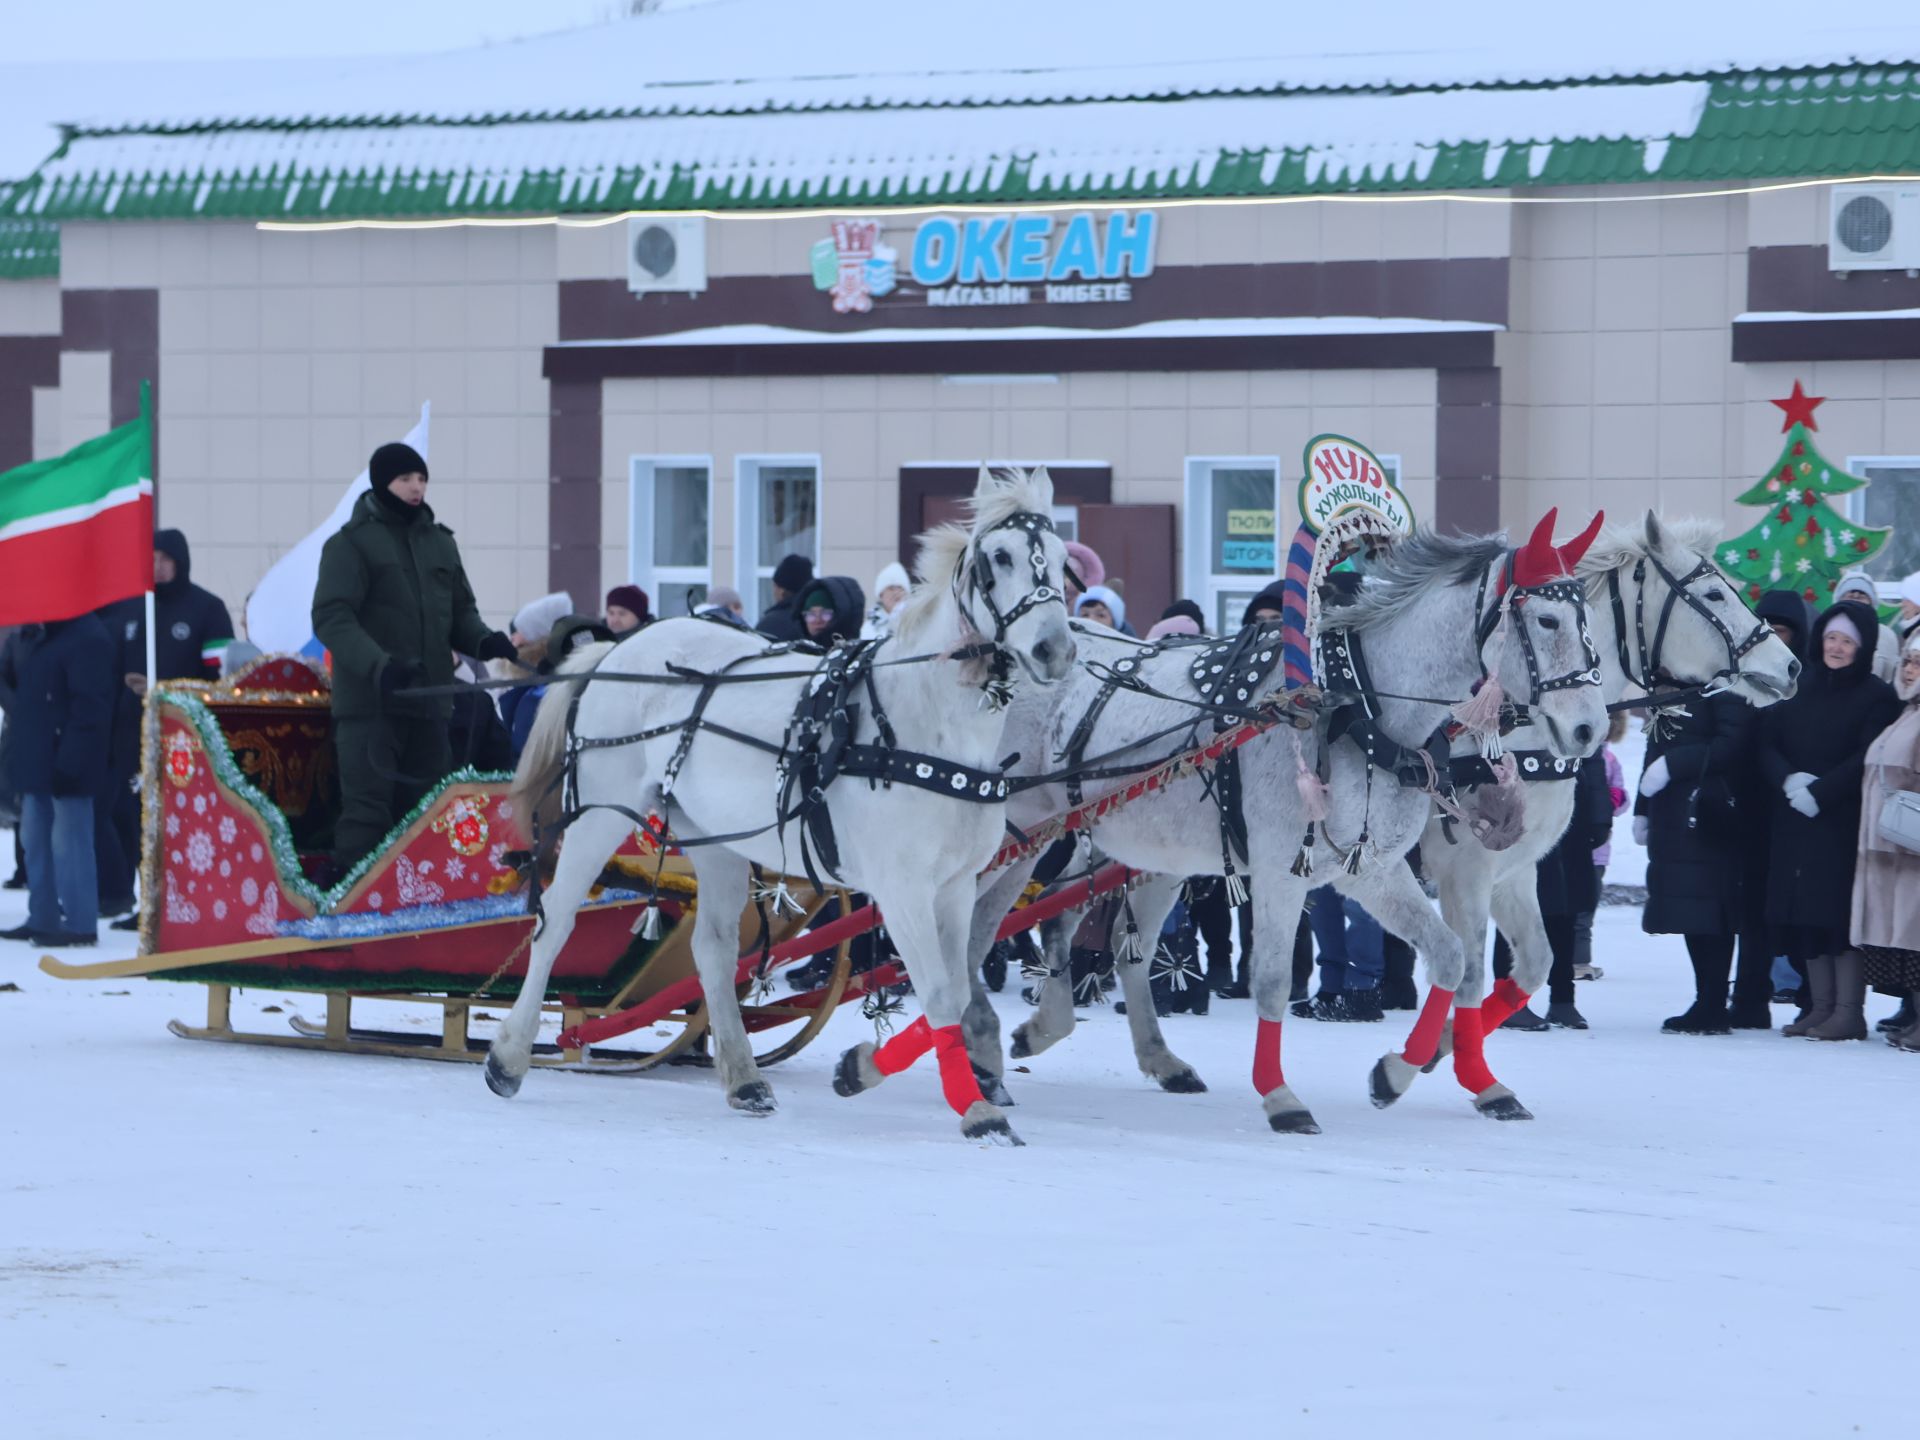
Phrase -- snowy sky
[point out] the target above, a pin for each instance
(248, 29)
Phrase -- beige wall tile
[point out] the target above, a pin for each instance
(233, 319)
(1340, 387)
(286, 318)
(233, 251)
(1560, 230)
(1692, 442)
(685, 395)
(1218, 432)
(1842, 380)
(1693, 292)
(796, 392)
(439, 377)
(492, 382)
(1413, 231)
(1787, 217)
(284, 452)
(86, 255)
(286, 257)
(1479, 229)
(1695, 226)
(186, 384)
(234, 454)
(30, 307)
(336, 320)
(185, 258)
(1694, 366)
(1351, 230)
(1626, 440)
(1626, 293)
(1626, 367)
(1561, 442)
(965, 435)
(1038, 434)
(386, 386)
(1404, 387)
(1147, 390)
(386, 320)
(234, 385)
(1561, 372)
(795, 432)
(1223, 389)
(1627, 228)
(1221, 235)
(185, 319)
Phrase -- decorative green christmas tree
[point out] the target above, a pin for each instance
(1802, 543)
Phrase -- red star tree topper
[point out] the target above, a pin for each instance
(1801, 543)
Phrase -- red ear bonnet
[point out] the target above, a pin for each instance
(1540, 561)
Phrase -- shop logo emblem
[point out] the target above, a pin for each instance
(854, 267)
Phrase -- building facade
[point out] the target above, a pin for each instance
(827, 375)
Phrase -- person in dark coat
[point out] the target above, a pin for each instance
(192, 628)
(781, 621)
(1812, 754)
(62, 733)
(1787, 615)
(832, 608)
(391, 605)
(1689, 805)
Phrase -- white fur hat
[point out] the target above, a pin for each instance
(1857, 580)
(536, 618)
(891, 574)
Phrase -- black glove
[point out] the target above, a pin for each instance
(399, 675)
(498, 647)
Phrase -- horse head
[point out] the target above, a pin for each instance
(1554, 664)
(1011, 584)
(1688, 620)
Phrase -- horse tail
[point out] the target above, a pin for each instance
(535, 792)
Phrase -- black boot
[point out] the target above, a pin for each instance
(1901, 1019)
(1747, 1013)
(1699, 1018)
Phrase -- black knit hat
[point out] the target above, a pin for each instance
(393, 460)
(792, 572)
(1189, 609)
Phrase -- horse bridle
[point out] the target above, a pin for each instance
(980, 573)
(1566, 589)
(1677, 591)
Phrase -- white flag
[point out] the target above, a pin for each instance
(280, 610)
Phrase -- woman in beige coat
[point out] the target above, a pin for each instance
(1886, 882)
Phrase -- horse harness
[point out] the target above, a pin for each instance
(818, 746)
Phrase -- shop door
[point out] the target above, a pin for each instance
(1134, 542)
(936, 494)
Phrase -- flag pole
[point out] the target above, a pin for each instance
(146, 417)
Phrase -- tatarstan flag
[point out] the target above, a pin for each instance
(76, 532)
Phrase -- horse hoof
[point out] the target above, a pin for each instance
(1390, 1078)
(1183, 1082)
(499, 1081)
(1293, 1122)
(1286, 1115)
(856, 1071)
(983, 1122)
(753, 1098)
(1497, 1102)
(992, 1086)
(1020, 1049)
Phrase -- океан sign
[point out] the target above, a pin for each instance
(992, 260)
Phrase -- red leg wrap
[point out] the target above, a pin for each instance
(1425, 1038)
(1469, 1051)
(1507, 1000)
(905, 1048)
(956, 1070)
(1267, 1075)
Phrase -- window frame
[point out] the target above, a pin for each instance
(641, 570)
(747, 571)
(1855, 508)
(1198, 579)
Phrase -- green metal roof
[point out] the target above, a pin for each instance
(1747, 126)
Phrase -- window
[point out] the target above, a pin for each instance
(1233, 549)
(1892, 497)
(670, 539)
(779, 514)
(1233, 518)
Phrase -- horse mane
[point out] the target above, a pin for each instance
(1626, 543)
(943, 549)
(1404, 576)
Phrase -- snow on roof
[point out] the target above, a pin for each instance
(1102, 145)
(734, 56)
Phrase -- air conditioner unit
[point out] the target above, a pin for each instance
(1874, 227)
(666, 254)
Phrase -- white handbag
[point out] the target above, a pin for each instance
(1900, 819)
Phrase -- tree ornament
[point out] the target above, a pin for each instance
(1798, 408)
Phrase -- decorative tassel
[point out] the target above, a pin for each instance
(647, 927)
(781, 897)
(1129, 949)
(1479, 714)
(1352, 863)
(1303, 862)
(1237, 888)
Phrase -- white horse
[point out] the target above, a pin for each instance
(1425, 645)
(990, 596)
(1676, 616)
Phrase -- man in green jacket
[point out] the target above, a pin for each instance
(392, 605)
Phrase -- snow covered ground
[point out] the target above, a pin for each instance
(222, 1241)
